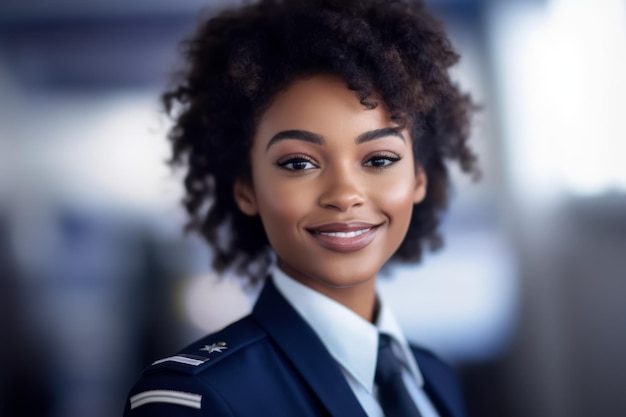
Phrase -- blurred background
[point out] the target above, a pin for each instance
(527, 299)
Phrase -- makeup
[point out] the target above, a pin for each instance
(344, 237)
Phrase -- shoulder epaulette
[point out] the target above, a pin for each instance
(210, 350)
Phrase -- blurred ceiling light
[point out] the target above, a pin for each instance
(108, 150)
(561, 69)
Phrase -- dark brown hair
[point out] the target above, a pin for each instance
(240, 59)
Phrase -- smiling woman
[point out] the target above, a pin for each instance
(315, 132)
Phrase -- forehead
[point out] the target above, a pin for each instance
(321, 104)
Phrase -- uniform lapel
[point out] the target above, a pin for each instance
(440, 384)
(306, 352)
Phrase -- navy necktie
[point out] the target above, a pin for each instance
(393, 396)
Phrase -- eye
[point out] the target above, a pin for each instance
(296, 164)
(381, 161)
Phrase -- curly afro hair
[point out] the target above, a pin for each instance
(239, 60)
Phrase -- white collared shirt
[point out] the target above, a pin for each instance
(353, 342)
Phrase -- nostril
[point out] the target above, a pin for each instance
(342, 204)
(342, 192)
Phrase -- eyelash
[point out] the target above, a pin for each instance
(390, 159)
(295, 159)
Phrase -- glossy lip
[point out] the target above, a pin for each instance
(344, 244)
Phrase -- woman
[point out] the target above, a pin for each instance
(314, 136)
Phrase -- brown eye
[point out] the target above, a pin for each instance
(296, 164)
(381, 161)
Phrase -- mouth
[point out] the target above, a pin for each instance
(344, 237)
(345, 234)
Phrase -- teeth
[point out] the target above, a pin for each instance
(346, 234)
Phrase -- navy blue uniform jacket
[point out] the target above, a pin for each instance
(269, 363)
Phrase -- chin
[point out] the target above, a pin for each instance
(345, 276)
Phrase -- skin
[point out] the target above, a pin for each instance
(321, 161)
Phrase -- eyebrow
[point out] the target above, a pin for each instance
(379, 133)
(298, 135)
(316, 139)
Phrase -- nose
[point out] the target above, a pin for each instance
(342, 191)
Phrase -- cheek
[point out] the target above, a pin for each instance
(280, 203)
(396, 197)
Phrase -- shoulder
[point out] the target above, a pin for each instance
(211, 350)
(183, 382)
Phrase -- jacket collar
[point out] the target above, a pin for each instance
(306, 352)
(295, 338)
(440, 384)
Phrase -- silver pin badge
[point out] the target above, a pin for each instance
(215, 347)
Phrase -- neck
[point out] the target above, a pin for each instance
(359, 298)
(359, 295)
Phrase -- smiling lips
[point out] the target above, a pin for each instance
(344, 237)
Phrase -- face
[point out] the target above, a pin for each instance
(333, 183)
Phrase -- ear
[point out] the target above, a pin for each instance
(420, 186)
(245, 198)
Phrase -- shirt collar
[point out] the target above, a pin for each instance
(350, 339)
